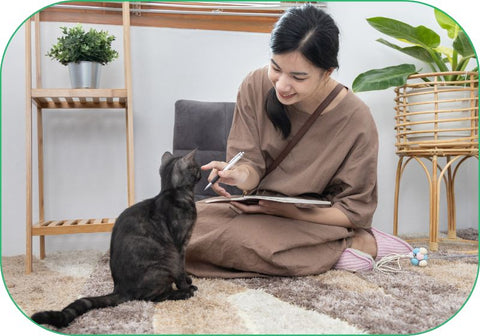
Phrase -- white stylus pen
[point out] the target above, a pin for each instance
(229, 165)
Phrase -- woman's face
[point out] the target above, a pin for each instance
(295, 79)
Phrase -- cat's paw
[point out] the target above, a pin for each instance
(193, 288)
(181, 294)
(188, 279)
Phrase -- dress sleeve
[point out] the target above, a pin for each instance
(244, 133)
(353, 189)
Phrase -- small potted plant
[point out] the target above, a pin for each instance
(84, 53)
(435, 94)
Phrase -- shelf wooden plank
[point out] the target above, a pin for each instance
(78, 93)
(70, 222)
(71, 226)
(81, 105)
(80, 98)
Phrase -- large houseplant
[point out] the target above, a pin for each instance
(83, 52)
(424, 45)
(443, 107)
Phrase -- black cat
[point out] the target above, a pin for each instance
(147, 247)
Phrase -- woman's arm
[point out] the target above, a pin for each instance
(328, 216)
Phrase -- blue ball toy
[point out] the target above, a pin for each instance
(419, 257)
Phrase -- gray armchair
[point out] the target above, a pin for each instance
(205, 126)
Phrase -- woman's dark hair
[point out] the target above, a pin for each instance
(314, 34)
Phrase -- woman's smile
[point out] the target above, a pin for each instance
(286, 95)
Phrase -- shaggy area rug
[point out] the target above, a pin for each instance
(336, 302)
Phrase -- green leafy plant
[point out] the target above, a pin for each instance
(424, 45)
(77, 45)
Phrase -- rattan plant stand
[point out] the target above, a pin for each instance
(432, 127)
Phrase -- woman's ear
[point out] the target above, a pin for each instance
(328, 73)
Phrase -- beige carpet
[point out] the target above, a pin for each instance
(334, 303)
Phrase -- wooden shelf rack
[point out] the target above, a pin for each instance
(64, 98)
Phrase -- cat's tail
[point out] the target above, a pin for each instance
(63, 318)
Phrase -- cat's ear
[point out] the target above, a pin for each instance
(190, 156)
(167, 156)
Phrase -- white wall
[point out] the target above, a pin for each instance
(85, 150)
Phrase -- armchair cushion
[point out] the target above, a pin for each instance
(204, 126)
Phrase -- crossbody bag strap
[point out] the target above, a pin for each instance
(301, 132)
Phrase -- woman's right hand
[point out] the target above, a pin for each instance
(237, 176)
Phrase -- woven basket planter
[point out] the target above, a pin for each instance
(437, 113)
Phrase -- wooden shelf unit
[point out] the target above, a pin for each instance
(64, 98)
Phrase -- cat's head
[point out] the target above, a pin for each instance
(179, 172)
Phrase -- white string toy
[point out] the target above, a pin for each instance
(391, 263)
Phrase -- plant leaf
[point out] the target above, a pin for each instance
(447, 23)
(380, 79)
(445, 51)
(463, 46)
(420, 35)
(448, 53)
(415, 51)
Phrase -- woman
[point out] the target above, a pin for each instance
(336, 160)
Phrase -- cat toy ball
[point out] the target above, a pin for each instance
(419, 257)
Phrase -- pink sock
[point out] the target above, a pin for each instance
(388, 244)
(354, 261)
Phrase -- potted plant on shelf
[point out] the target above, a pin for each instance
(84, 53)
(442, 90)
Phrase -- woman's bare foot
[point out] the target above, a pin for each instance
(365, 242)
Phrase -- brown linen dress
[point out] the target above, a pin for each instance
(337, 159)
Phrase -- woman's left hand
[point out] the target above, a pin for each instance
(268, 208)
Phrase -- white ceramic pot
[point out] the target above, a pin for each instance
(451, 105)
(84, 75)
